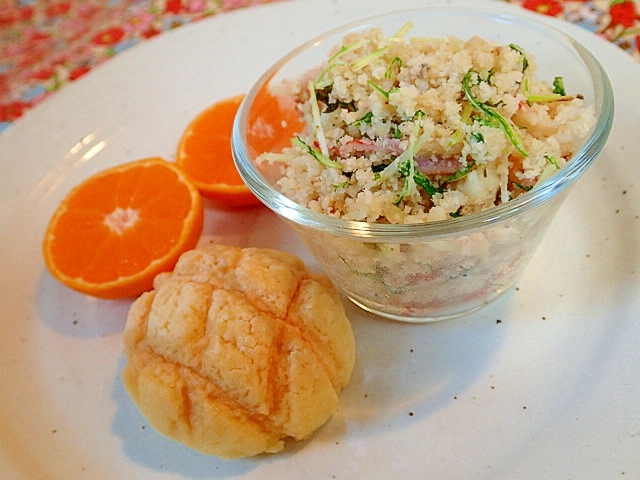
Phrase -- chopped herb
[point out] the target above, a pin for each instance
(381, 90)
(457, 213)
(323, 79)
(339, 186)
(403, 30)
(557, 95)
(491, 114)
(477, 136)
(379, 167)
(462, 172)
(345, 49)
(396, 61)
(489, 76)
(552, 160)
(456, 137)
(404, 163)
(418, 115)
(465, 115)
(367, 59)
(488, 122)
(410, 171)
(407, 170)
(525, 60)
(323, 159)
(366, 118)
(317, 123)
(526, 188)
(404, 168)
(558, 86)
(423, 181)
(553, 97)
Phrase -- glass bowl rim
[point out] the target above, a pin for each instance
(301, 215)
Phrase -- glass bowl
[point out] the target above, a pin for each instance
(431, 271)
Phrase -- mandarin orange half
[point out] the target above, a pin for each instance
(115, 231)
(204, 154)
(272, 121)
(204, 150)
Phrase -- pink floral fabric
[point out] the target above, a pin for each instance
(615, 20)
(44, 44)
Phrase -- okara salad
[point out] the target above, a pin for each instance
(424, 129)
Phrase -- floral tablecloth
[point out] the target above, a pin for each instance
(44, 44)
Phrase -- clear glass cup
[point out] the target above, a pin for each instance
(444, 269)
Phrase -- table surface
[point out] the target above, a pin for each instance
(45, 44)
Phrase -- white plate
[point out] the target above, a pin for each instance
(545, 383)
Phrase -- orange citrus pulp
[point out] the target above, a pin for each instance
(271, 122)
(204, 153)
(118, 229)
(204, 150)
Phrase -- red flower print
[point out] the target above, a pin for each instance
(43, 74)
(552, 8)
(26, 13)
(623, 12)
(33, 57)
(78, 72)
(38, 36)
(173, 6)
(12, 111)
(58, 9)
(109, 36)
(151, 32)
(7, 17)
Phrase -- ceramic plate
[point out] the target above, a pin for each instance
(544, 383)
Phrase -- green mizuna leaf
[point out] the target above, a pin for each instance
(491, 114)
(323, 159)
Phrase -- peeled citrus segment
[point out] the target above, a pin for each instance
(118, 229)
(204, 153)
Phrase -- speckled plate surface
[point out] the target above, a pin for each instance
(542, 384)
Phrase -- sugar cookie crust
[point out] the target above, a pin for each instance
(237, 350)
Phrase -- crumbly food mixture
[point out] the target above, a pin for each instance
(423, 129)
(237, 350)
